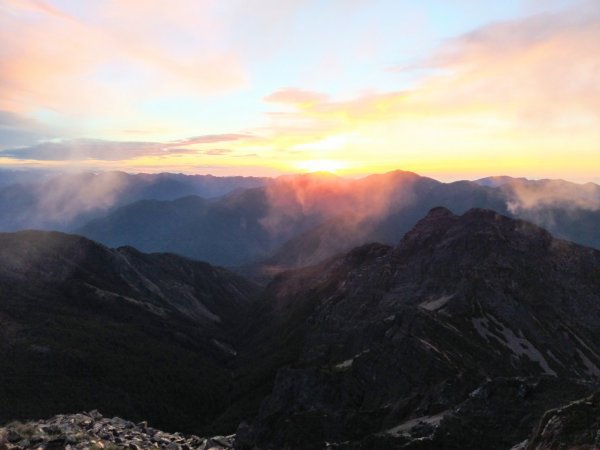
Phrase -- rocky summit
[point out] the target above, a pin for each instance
(462, 336)
(92, 431)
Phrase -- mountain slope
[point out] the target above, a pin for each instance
(268, 225)
(67, 201)
(570, 211)
(84, 326)
(341, 234)
(384, 338)
(247, 226)
(228, 232)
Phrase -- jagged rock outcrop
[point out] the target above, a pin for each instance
(92, 431)
(575, 426)
(383, 336)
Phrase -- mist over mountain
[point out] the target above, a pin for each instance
(495, 181)
(46, 200)
(301, 220)
(8, 177)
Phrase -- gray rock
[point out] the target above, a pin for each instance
(74, 432)
(94, 414)
(12, 436)
(173, 446)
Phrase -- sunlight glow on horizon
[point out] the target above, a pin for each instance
(322, 165)
(444, 89)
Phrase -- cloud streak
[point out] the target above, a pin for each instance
(101, 150)
(17, 130)
(542, 66)
(297, 97)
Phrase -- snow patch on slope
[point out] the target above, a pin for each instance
(435, 304)
(518, 345)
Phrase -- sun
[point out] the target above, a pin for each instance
(321, 165)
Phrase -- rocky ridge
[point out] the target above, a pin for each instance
(91, 431)
(387, 337)
(573, 426)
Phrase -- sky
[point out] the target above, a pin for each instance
(446, 88)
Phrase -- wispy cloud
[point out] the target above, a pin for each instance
(101, 150)
(545, 66)
(508, 90)
(17, 130)
(212, 138)
(510, 96)
(110, 59)
(217, 151)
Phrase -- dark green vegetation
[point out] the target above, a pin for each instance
(142, 336)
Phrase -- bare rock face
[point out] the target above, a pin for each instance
(574, 426)
(403, 346)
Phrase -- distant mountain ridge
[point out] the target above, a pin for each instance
(263, 226)
(299, 221)
(66, 201)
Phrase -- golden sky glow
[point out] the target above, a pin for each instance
(447, 89)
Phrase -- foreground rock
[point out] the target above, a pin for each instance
(90, 430)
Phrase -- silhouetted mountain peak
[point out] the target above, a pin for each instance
(432, 226)
(475, 229)
(439, 211)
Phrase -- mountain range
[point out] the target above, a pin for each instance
(65, 201)
(475, 330)
(297, 221)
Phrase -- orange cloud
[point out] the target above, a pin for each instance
(508, 94)
(544, 68)
(297, 97)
